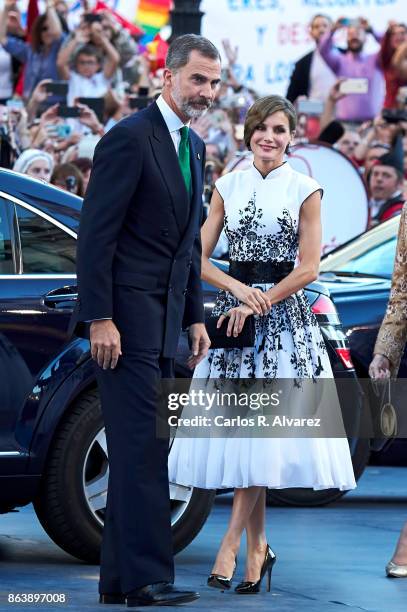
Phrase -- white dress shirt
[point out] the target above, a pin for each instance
(321, 78)
(172, 121)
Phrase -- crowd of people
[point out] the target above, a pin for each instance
(62, 89)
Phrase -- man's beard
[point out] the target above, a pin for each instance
(355, 47)
(186, 106)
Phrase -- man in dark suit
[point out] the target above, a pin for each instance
(311, 76)
(139, 261)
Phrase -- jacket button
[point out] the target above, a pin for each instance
(185, 292)
(175, 261)
(190, 262)
(169, 288)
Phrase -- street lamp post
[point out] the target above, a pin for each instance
(186, 17)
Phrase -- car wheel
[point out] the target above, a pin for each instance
(72, 498)
(309, 497)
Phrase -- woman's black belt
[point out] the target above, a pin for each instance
(249, 272)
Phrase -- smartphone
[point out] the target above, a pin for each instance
(354, 86)
(346, 22)
(68, 111)
(139, 102)
(394, 115)
(310, 107)
(90, 18)
(63, 130)
(143, 91)
(96, 104)
(57, 88)
(14, 104)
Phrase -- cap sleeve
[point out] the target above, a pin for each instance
(223, 185)
(308, 186)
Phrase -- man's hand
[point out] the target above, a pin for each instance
(365, 24)
(379, 367)
(335, 93)
(230, 52)
(105, 343)
(200, 344)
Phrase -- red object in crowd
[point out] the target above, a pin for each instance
(392, 79)
(393, 210)
(133, 29)
(156, 52)
(32, 14)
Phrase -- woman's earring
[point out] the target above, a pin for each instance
(287, 150)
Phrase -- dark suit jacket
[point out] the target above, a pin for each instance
(139, 249)
(300, 78)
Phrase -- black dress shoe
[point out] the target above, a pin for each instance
(159, 594)
(112, 598)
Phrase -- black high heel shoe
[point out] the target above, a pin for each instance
(248, 588)
(221, 582)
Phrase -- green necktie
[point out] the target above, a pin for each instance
(183, 157)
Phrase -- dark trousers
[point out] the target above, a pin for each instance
(137, 541)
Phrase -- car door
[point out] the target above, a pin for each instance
(37, 295)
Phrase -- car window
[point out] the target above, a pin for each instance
(6, 255)
(378, 260)
(46, 248)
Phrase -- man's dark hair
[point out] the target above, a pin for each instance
(320, 16)
(89, 49)
(181, 47)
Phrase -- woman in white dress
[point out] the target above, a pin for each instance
(271, 215)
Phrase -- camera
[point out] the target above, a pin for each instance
(392, 115)
(71, 183)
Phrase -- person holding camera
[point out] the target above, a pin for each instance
(68, 177)
(355, 64)
(95, 62)
(39, 56)
(392, 46)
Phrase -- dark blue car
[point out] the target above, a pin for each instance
(358, 276)
(52, 441)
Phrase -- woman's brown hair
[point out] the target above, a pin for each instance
(36, 30)
(263, 108)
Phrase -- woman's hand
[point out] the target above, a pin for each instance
(237, 316)
(257, 300)
(379, 367)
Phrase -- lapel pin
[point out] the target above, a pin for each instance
(198, 156)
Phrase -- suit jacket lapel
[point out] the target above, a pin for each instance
(167, 159)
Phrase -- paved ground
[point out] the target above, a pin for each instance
(328, 558)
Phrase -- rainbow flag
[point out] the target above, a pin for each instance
(152, 15)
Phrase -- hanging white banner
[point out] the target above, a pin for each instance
(273, 34)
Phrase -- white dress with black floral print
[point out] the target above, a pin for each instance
(261, 223)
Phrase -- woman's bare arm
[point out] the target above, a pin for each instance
(310, 237)
(210, 233)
